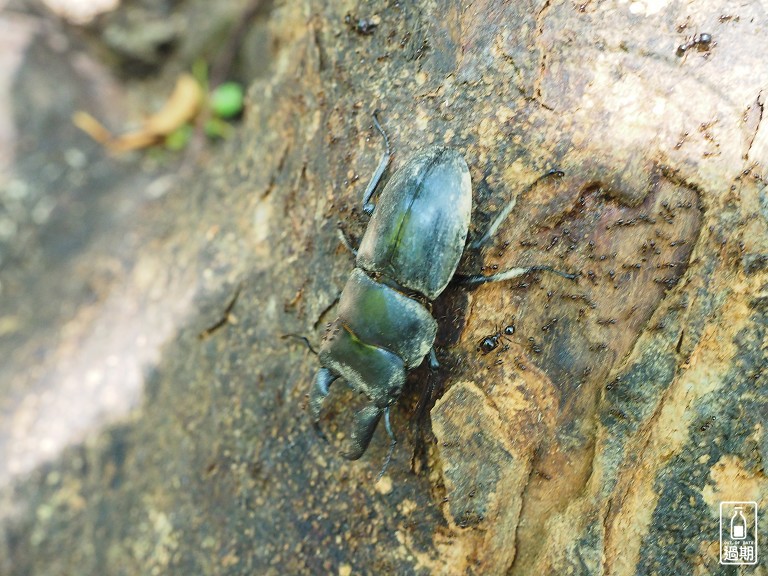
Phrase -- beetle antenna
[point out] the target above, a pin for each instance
(392, 444)
(302, 338)
(383, 163)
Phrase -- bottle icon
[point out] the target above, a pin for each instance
(738, 524)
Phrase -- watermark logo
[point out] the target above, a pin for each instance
(738, 532)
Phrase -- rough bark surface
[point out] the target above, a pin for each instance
(599, 438)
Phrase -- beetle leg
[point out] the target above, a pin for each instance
(478, 279)
(508, 208)
(303, 339)
(433, 363)
(323, 379)
(368, 206)
(345, 240)
(392, 444)
(362, 431)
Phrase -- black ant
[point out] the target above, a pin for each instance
(363, 26)
(490, 343)
(702, 42)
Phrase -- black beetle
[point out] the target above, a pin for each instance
(408, 255)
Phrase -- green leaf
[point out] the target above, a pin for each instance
(227, 100)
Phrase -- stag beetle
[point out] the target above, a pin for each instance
(408, 255)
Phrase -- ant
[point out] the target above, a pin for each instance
(363, 26)
(490, 343)
(702, 42)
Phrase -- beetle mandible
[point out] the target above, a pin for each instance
(408, 255)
